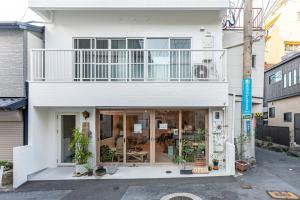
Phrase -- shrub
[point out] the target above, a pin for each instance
(7, 165)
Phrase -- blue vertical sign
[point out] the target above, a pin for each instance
(247, 97)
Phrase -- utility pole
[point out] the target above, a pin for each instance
(247, 80)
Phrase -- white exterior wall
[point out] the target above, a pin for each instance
(42, 149)
(69, 24)
(128, 4)
(233, 41)
(129, 94)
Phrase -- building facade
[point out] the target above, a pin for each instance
(282, 90)
(15, 40)
(143, 77)
(282, 30)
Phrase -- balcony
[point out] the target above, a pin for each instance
(86, 65)
(128, 78)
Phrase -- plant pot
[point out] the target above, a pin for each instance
(111, 169)
(90, 173)
(100, 171)
(216, 165)
(200, 163)
(241, 166)
(7, 178)
(80, 169)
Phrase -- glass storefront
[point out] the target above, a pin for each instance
(111, 136)
(149, 136)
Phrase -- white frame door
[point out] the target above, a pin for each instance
(59, 134)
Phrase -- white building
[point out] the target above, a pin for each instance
(149, 73)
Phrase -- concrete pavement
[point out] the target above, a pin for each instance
(273, 171)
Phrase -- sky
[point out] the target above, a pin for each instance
(16, 10)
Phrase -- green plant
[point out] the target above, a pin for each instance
(7, 165)
(242, 140)
(269, 141)
(88, 167)
(209, 167)
(179, 160)
(79, 144)
(200, 134)
(188, 151)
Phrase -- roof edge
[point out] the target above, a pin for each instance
(22, 26)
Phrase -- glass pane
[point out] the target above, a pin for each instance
(158, 43)
(193, 136)
(82, 44)
(68, 124)
(102, 44)
(135, 43)
(158, 68)
(166, 136)
(180, 44)
(138, 136)
(111, 136)
(118, 44)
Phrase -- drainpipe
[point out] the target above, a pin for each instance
(233, 119)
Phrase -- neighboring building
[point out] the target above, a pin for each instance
(282, 96)
(147, 74)
(282, 30)
(15, 39)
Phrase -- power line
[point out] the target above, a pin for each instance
(24, 15)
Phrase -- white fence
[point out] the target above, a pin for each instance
(127, 65)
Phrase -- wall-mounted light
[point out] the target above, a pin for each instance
(85, 114)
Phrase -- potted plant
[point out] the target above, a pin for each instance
(100, 171)
(179, 160)
(112, 168)
(240, 164)
(215, 164)
(79, 145)
(89, 170)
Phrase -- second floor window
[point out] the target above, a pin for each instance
(295, 77)
(290, 79)
(272, 112)
(284, 80)
(276, 77)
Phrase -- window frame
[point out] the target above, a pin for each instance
(254, 61)
(284, 81)
(273, 113)
(289, 118)
(295, 77)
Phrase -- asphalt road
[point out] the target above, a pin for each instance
(274, 171)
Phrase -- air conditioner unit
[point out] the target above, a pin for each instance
(203, 70)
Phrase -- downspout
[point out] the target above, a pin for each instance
(233, 119)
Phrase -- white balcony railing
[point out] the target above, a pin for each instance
(127, 65)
